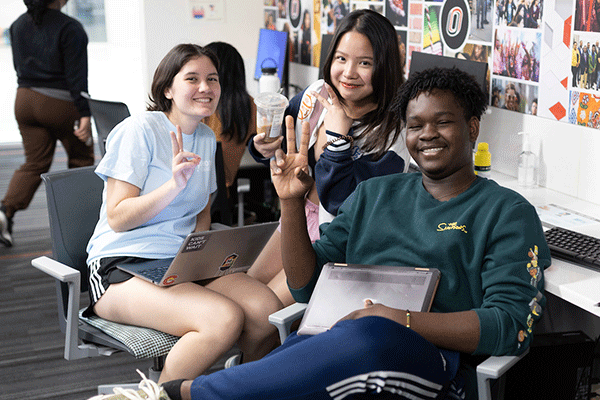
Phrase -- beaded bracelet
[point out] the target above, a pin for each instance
(407, 318)
(337, 139)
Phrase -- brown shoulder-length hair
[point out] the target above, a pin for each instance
(170, 66)
(381, 128)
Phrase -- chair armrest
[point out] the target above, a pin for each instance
(283, 319)
(63, 273)
(243, 185)
(493, 368)
(56, 269)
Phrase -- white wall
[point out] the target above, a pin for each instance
(115, 67)
(168, 23)
(567, 154)
(11, 9)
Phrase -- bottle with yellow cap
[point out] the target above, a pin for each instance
(483, 160)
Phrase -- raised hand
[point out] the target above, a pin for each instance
(336, 120)
(184, 162)
(289, 172)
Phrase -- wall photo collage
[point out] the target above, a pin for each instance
(543, 55)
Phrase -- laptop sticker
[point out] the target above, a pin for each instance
(195, 244)
(169, 280)
(228, 262)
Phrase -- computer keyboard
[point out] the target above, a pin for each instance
(573, 246)
(155, 274)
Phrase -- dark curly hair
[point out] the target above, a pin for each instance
(464, 87)
(37, 8)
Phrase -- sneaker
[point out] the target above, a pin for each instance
(5, 229)
(149, 390)
(233, 361)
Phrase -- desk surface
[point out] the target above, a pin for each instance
(573, 283)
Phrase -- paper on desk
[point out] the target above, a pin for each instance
(554, 215)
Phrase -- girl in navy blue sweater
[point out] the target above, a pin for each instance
(353, 137)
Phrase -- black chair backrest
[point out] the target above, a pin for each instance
(107, 114)
(421, 61)
(74, 199)
(221, 209)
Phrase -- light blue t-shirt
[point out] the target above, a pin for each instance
(138, 151)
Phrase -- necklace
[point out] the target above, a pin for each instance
(457, 191)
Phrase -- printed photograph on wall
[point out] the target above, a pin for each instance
(305, 38)
(333, 12)
(587, 15)
(519, 13)
(516, 54)
(270, 18)
(297, 19)
(481, 20)
(514, 96)
(282, 7)
(376, 6)
(586, 54)
(402, 46)
(397, 12)
(584, 109)
(480, 28)
(475, 52)
(432, 41)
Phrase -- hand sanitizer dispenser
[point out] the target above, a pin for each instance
(527, 164)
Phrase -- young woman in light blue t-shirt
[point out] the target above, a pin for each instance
(158, 185)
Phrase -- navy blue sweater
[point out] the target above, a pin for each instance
(338, 173)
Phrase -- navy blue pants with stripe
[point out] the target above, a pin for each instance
(368, 355)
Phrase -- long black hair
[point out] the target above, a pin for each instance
(388, 74)
(235, 105)
(37, 8)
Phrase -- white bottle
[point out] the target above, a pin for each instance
(269, 81)
(527, 164)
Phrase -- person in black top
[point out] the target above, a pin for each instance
(50, 57)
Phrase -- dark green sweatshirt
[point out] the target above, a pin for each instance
(488, 244)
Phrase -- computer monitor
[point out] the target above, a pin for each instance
(325, 43)
(421, 61)
(272, 52)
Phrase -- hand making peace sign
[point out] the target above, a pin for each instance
(184, 162)
(289, 172)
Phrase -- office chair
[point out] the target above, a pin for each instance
(221, 209)
(74, 198)
(106, 114)
(492, 369)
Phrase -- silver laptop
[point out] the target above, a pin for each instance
(205, 255)
(343, 288)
